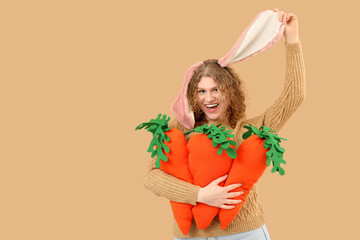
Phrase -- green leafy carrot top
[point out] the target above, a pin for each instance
(219, 137)
(275, 153)
(157, 127)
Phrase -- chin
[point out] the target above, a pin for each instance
(213, 117)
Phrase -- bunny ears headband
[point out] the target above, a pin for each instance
(262, 33)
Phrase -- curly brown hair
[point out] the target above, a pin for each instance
(228, 82)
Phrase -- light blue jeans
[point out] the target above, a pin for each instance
(260, 233)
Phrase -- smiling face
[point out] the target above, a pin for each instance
(213, 84)
(211, 100)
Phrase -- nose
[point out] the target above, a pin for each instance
(209, 97)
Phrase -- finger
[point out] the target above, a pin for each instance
(276, 10)
(232, 201)
(290, 15)
(233, 186)
(227, 206)
(234, 194)
(219, 180)
(281, 15)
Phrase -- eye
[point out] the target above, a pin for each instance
(216, 90)
(201, 91)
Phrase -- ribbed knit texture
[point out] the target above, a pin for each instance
(251, 215)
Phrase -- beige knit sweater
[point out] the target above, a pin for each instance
(251, 215)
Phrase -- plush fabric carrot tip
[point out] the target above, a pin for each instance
(254, 155)
(171, 147)
(208, 161)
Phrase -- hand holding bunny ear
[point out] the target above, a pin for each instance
(291, 32)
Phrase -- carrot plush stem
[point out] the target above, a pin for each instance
(219, 136)
(157, 127)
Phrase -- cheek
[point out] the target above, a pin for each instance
(222, 97)
(226, 102)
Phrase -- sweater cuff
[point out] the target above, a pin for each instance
(193, 195)
(293, 47)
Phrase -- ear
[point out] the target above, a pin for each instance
(181, 107)
(262, 33)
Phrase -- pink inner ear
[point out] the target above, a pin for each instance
(262, 33)
(181, 107)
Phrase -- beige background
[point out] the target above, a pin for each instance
(78, 76)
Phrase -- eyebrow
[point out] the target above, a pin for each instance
(205, 89)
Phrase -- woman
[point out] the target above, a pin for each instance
(216, 96)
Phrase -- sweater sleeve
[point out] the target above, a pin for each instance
(293, 92)
(168, 186)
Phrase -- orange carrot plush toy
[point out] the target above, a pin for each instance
(170, 146)
(253, 156)
(207, 162)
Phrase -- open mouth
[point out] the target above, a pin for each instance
(211, 107)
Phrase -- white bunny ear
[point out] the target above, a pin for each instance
(262, 33)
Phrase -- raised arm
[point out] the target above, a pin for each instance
(293, 92)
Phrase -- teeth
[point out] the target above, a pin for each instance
(212, 105)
